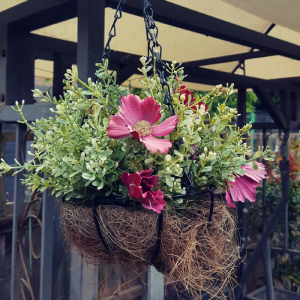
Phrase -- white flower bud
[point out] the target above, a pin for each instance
(168, 158)
(17, 103)
(205, 149)
(182, 97)
(23, 102)
(202, 109)
(143, 60)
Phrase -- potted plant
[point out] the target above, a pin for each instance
(120, 161)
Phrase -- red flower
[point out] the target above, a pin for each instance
(184, 91)
(140, 186)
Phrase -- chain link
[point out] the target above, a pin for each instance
(112, 33)
(155, 53)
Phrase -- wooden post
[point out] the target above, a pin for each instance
(91, 14)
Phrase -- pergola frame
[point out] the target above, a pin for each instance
(19, 49)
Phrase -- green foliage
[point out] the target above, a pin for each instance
(287, 269)
(251, 101)
(81, 162)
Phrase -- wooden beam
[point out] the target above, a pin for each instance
(191, 20)
(49, 44)
(34, 14)
(91, 15)
(19, 67)
(228, 58)
(125, 73)
(241, 106)
(271, 107)
(267, 126)
(61, 64)
(196, 75)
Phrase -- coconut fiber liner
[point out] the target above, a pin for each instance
(194, 256)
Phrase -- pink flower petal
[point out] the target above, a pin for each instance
(146, 173)
(166, 127)
(256, 175)
(131, 179)
(150, 110)
(149, 181)
(117, 127)
(154, 145)
(124, 178)
(130, 109)
(151, 203)
(159, 195)
(135, 192)
(243, 188)
(158, 207)
(230, 202)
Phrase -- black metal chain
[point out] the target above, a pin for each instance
(113, 31)
(155, 53)
(155, 57)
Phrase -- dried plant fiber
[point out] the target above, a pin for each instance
(194, 256)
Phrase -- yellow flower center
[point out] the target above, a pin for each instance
(143, 128)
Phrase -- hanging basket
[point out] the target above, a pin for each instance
(194, 255)
(133, 171)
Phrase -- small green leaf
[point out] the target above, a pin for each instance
(196, 140)
(68, 159)
(149, 160)
(55, 155)
(207, 169)
(179, 201)
(257, 154)
(254, 165)
(194, 168)
(60, 172)
(88, 176)
(270, 158)
(177, 153)
(182, 149)
(63, 128)
(73, 174)
(169, 181)
(100, 186)
(62, 121)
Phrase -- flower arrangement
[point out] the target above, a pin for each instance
(133, 158)
(103, 143)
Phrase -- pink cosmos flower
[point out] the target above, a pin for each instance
(137, 117)
(140, 186)
(245, 186)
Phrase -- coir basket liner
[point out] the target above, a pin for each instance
(193, 255)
